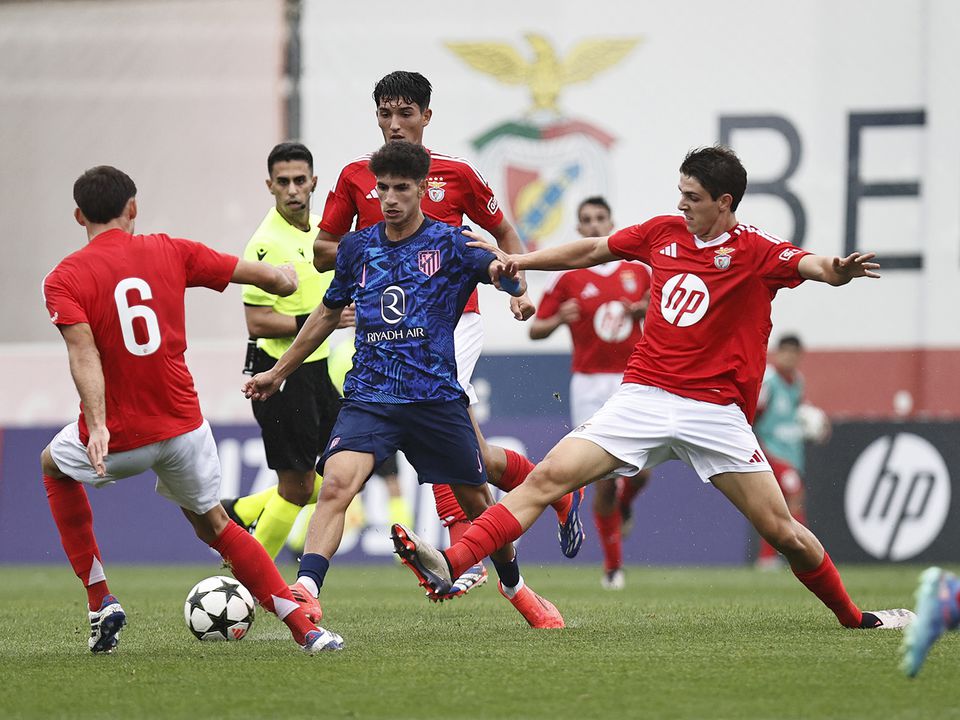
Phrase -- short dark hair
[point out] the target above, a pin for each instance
(597, 200)
(411, 87)
(102, 193)
(792, 341)
(719, 170)
(288, 151)
(400, 159)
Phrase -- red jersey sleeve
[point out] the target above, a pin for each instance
(779, 264)
(61, 302)
(480, 204)
(205, 267)
(340, 209)
(553, 296)
(635, 242)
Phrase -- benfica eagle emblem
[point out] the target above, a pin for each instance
(429, 261)
(435, 189)
(722, 258)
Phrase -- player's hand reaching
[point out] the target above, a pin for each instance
(262, 385)
(97, 449)
(509, 262)
(522, 307)
(853, 266)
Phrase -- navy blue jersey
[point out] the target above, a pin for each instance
(409, 296)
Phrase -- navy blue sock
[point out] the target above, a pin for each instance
(315, 567)
(509, 572)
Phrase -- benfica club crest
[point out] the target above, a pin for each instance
(546, 162)
(722, 258)
(435, 188)
(429, 261)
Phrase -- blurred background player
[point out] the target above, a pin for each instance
(714, 280)
(454, 188)
(604, 307)
(938, 611)
(410, 278)
(780, 429)
(295, 424)
(118, 304)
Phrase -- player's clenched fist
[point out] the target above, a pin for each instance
(262, 385)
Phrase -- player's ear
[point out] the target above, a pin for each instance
(78, 216)
(313, 184)
(726, 200)
(422, 188)
(131, 208)
(427, 114)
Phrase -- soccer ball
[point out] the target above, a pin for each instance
(814, 423)
(219, 608)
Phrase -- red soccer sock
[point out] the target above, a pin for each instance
(825, 583)
(448, 509)
(457, 529)
(492, 530)
(626, 492)
(611, 541)
(253, 567)
(74, 519)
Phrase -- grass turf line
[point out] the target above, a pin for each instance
(677, 643)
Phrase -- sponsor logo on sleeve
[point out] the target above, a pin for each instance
(789, 253)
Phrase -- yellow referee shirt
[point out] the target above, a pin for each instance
(278, 242)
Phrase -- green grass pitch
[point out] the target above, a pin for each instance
(677, 643)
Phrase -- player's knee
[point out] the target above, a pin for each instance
(785, 534)
(547, 480)
(336, 491)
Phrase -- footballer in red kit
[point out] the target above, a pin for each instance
(603, 306)
(690, 389)
(119, 305)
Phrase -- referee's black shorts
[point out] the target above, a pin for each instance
(296, 421)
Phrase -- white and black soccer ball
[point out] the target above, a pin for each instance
(219, 608)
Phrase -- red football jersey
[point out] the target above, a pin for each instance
(706, 330)
(129, 289)
(454, 188)
(605, 335)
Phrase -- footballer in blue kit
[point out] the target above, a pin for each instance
(409, 278)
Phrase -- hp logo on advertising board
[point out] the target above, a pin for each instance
(897, 497)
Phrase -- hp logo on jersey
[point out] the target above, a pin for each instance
(393, 305)
(684, 300)
(897, 496)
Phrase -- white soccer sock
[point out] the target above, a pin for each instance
(309, 584)
(510, 592)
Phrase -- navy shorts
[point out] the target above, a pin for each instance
(437, 438)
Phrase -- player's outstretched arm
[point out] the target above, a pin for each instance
(325, 250)
(837, 270)
(509, 241)
(317, 328)
(87, 372)
(582, 253)
(279, 280)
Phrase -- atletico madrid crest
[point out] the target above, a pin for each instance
(722, 258)
(429, 261)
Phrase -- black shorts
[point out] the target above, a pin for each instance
(296, 422)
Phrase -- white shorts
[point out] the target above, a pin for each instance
(187, 466)
(588, 393)
(468, 342)
(644, 426)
